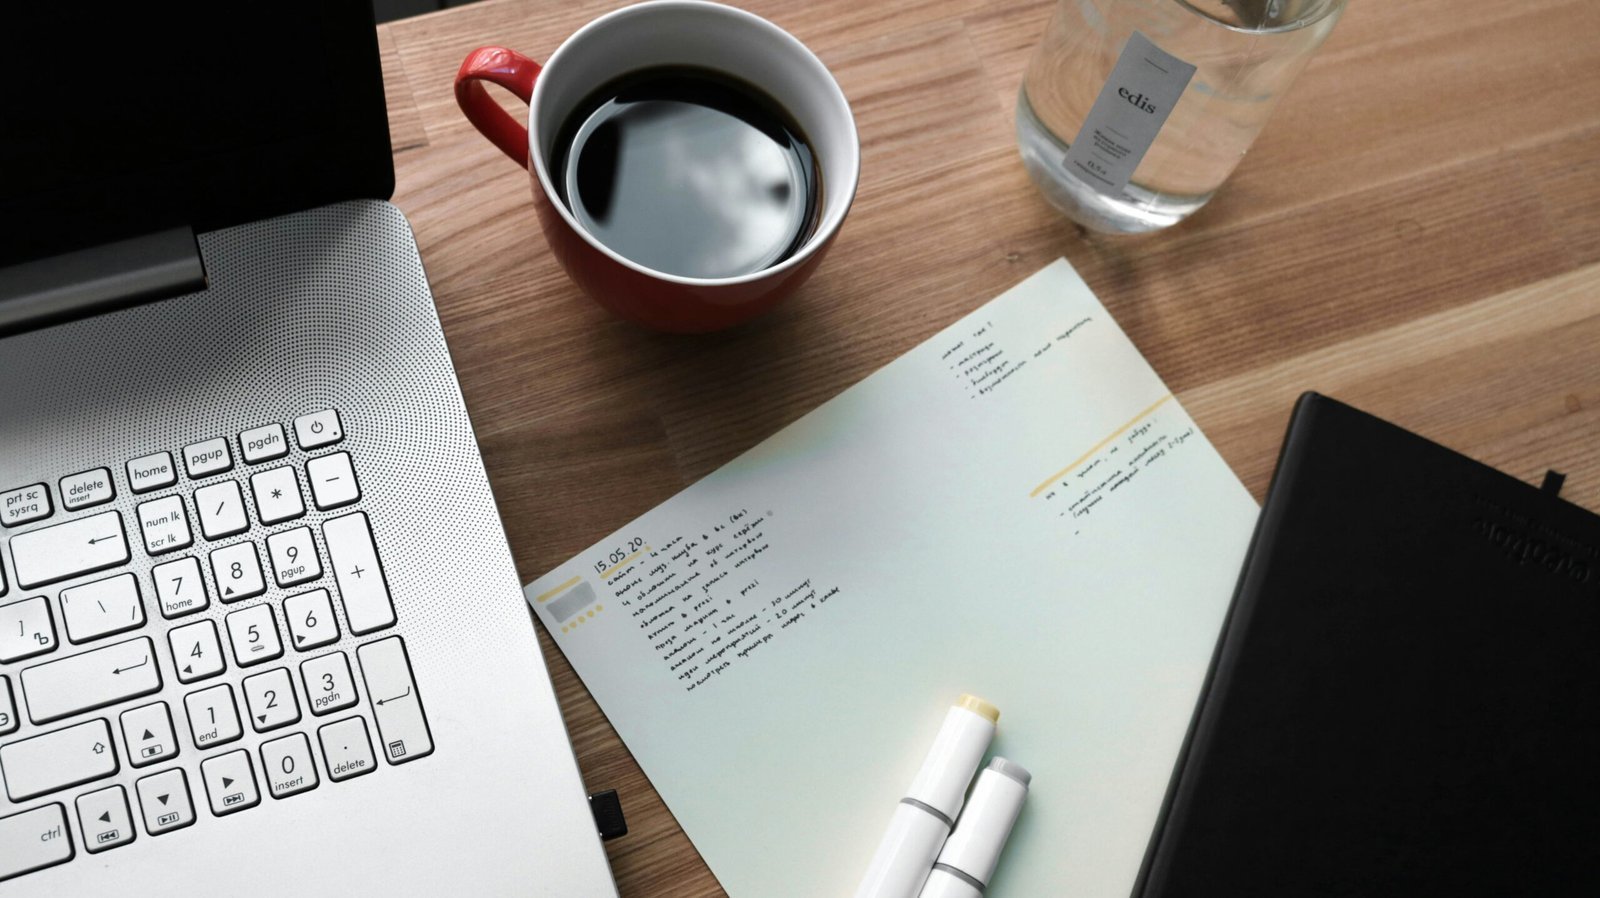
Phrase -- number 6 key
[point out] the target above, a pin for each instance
(311, 621)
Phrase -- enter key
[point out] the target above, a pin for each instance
(402, 728)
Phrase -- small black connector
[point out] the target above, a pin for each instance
(607, 810)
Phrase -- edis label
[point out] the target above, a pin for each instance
(1133, 106)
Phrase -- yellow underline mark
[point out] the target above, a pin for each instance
(1051, 480)
(619, 565)
(558, 590)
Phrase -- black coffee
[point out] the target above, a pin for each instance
(688, 171)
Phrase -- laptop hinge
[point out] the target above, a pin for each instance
(100, 279)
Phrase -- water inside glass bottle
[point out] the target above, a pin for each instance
(1244, 54)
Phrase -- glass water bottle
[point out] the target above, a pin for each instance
(1133, 112)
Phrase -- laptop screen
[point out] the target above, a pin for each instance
(118, 120)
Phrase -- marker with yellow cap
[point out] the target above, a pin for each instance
(923, 818)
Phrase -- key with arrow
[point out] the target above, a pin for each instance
(108, 809)
(402, 725)
(385, 701)
(91, 679)
(142, 662)
(230, 782)
(147, 731)
(69, 549)
(164, 798)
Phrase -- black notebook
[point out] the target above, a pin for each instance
(1406, 696)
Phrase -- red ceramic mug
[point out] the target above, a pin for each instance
(667, 32)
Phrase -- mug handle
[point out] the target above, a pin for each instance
(512, 71)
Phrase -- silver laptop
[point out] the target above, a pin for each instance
(260, 631)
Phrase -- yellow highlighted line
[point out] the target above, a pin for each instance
(558, 590)
(623, 563)
(1051, 480)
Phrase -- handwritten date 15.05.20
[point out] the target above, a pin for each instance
(618, 555)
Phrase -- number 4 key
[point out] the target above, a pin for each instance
(196, 653)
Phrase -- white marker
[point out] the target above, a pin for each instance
(971, 852)
(923, 818)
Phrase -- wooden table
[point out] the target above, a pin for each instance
(1417, 232)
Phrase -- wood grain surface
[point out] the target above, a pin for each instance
(1417, 232)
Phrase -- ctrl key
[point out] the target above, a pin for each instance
(230, 782)
(33, 840)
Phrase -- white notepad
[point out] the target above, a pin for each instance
(1018, 509)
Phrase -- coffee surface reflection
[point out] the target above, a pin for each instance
(688, 172)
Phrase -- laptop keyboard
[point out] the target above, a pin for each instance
(122, 668)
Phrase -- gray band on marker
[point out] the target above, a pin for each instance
(1012, 769)
(929, 808)
(961, 875)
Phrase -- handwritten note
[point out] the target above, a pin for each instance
(1017, 508)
